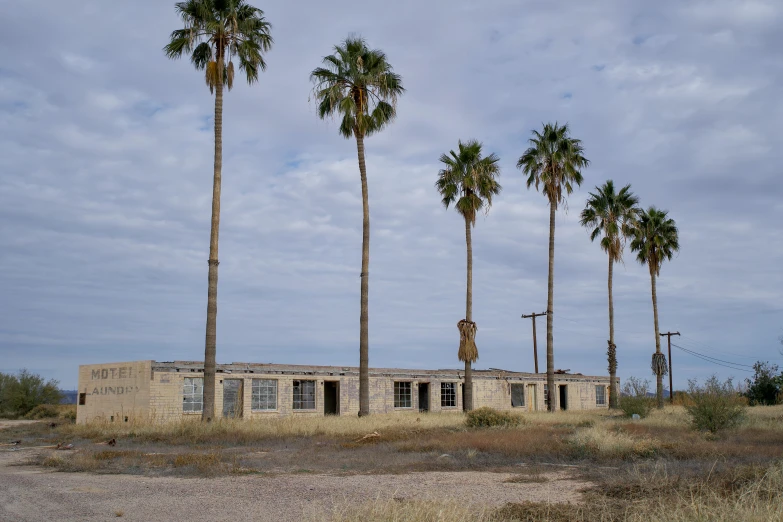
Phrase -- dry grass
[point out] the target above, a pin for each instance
(392, 510)
(191, 430)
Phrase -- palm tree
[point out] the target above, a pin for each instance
(655, 240)
(553, 162)
(360, 85)
(611, 216)
(216, 32)
(468, 181)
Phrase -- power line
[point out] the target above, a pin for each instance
(694, 341)
(715, 358)
(710, 360)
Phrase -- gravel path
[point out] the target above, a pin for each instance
(32, 494)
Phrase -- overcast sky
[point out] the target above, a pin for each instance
(106, 175)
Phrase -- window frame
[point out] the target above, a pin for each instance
(453, 386)
(399, 395)
(191, 382)
(546, 396)
(603, 395)
(254, 393)
(302, 397)
(521, 386)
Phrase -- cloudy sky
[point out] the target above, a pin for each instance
(106, 175)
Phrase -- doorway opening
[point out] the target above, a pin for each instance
(563, 396)
(232, 398)
(424, 396)
(331, 397)
(532, 402)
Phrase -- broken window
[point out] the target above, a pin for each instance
(304, 395)
(448, 395)
(546, 396)
(193, 395)
(82, 399)
(264, 395)
(600, 395)
(517, 395)
(402, 394)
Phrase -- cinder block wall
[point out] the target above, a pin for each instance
(133, 389)
(114, 391)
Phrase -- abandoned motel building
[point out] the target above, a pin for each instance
(165, 391)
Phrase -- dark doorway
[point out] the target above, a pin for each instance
(563, 396)
(232, 397)
(424, 396)
(331, 398)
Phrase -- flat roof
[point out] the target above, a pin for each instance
(304, 369)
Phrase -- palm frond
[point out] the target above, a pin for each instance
(360, 85)
(468, 180)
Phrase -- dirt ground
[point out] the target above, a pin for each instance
(29, 493)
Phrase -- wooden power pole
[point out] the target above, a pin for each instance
(535, 346)
(671, 391)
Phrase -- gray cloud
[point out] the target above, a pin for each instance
(106, 154)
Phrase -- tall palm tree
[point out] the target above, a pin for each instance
(468, 181)
(359, 84)
(611, 215)
(216, 32)
(553, 162)
(655, 239)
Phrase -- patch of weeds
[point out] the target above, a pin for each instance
(491, 418)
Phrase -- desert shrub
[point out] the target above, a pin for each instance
(634, 398)
(43, 411)
(715, 405)
(766, 387)
(22, 392)
(67, 412)
(490, 418)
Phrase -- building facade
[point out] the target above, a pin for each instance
(166, 391)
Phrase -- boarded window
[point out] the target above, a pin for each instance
(448, 395)
(264, 395)
(402, 395)
(600, 395)
(193, 395)
(82, 399)
(304, 395)
(518, 395)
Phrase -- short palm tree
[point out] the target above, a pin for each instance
(468, 180)
(610, 215)
(655, 240)
(216, 32)
(553, 163)
(359, 84)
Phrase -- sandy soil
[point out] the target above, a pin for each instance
(33, 494)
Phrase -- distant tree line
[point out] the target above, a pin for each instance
(21, 392)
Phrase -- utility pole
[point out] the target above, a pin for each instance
(671, 391)
(535, 346)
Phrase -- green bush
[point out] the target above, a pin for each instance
(634, 399)
(490, 418)
(766, 387)
(715, 405)
(43, 411)
(22, 392)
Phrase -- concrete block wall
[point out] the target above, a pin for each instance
(159, 393)
(116, 392)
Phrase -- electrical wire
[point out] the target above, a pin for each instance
(710, 360)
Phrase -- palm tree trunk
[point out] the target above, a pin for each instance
(467, 404)
(658, 376)
(210, 348)
(612, 355)
(550, 343)
(364, 349)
